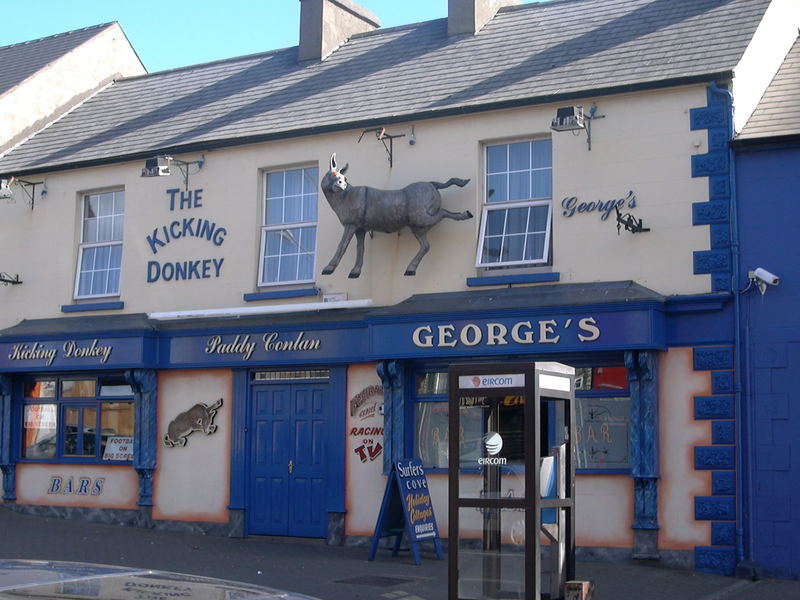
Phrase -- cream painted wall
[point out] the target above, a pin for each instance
(643, 144)
(679, 433)
(87, 486)
(192, 482)
(57, 87)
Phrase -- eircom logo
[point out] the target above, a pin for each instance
(493, 442)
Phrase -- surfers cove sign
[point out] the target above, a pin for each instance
(178, 229)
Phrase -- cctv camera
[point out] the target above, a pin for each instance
(763, 275)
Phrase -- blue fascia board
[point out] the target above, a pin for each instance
(512, 279)
(700, 302)
(70, 308)
(280, 294)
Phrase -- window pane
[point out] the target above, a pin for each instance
(534, 248)
(542, 154)
(519, 156)
(89, 442)
(90, 204)
(39, 425)
(497, 159)
(310, 207)
(517, 220)
(542, 183)
(271, 265)
(289, 241)
(294, 183)
(496, 222)
(275, 211)
(497, 188)
(432, 427)
(90, 230)
(275, 185)
(288, 269)
(116, 430)
(492, 249)
(432, 383)
(519, 186)
(537, 220)
(78, 388)
(514, 247)
(273, 246)
(305, 266)
(293, 209)
(40, 389)
(310, 180)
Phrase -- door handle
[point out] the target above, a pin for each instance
(291, 466)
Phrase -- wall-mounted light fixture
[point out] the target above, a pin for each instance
(382, 136)
(7, 279)
(158, 166)
(629, 222)
(572, 118)
(29, 187)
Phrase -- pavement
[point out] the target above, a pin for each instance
(332, 573)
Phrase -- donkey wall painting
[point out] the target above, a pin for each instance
(360, 209)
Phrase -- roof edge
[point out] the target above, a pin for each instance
(212, 144)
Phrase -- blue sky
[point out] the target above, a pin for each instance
(171, 33)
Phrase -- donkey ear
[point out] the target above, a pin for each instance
(343, 170)
(333, 162)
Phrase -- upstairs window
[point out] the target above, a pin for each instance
(518, 208)
(100, 254)
(289, 227)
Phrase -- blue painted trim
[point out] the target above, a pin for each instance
(717, 165)
(239, 459)
(255, 296)
(602, 471)
(723, 483)
(713, 407)
(723, 534)
(715, 508)
(710, 559)
(722, 382)
(71, 308)
(337, 422)
(709, 458)
(713, 358)
(722, 432)
(512, 279)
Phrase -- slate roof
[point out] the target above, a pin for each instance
(537, 52)
(20, 61)
(778, 112)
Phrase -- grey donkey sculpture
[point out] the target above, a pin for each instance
(360, 209)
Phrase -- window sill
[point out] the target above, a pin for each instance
(70, 308)
(278, 294)
(512, 279)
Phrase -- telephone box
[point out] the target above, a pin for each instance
(512, 481)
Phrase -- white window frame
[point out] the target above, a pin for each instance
(89, 245)
(509, 205)
(266, 229)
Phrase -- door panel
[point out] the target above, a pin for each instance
(288, 460)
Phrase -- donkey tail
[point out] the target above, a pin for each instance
(449, 182)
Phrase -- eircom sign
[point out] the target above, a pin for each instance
(491, 381)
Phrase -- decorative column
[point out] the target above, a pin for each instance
(144, 383)
(392, 377)
(7, 464)
(643, 383)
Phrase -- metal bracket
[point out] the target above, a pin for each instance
(29, 187)
(629, 222)
(380, 134)
(7, 279)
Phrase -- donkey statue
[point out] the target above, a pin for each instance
(360, 209)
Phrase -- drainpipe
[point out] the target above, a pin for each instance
(737, 344)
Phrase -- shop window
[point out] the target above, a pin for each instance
(602, 407)
(74, 420)
(602, 419)
(100, 253)
(432, 427)
(289, 227)
(517, 209)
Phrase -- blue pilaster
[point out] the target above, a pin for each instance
(6, 456)
(145, 385)
(392, 374)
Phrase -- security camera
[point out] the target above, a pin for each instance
(765, 276)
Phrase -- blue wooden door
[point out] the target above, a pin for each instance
(287, 480)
